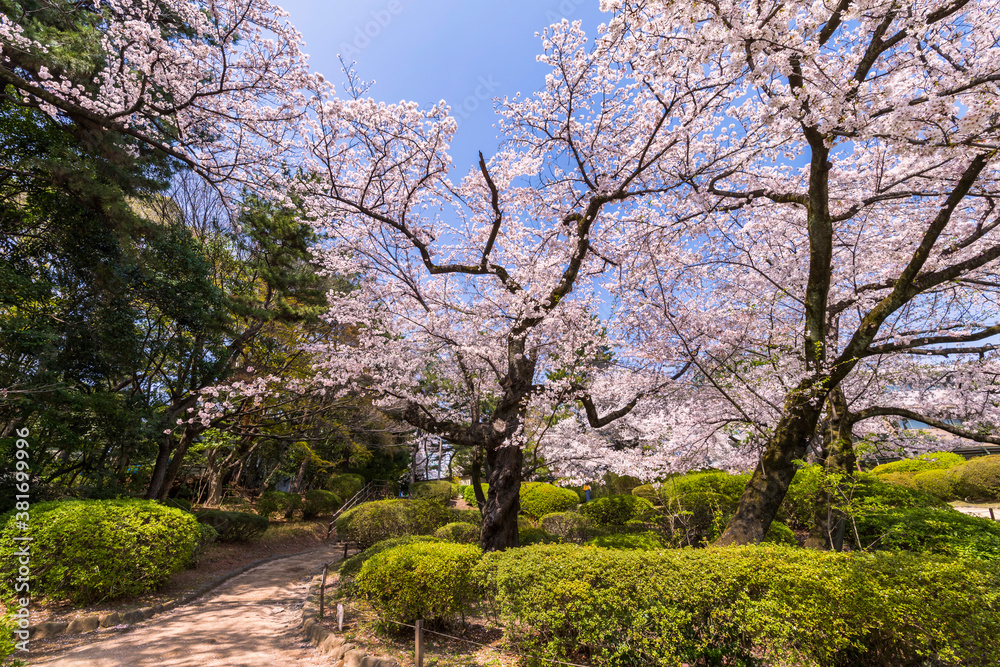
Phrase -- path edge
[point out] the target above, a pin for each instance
(91, 623)
(327, 641)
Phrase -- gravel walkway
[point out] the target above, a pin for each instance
(252, 620)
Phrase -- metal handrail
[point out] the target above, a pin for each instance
(373, 490)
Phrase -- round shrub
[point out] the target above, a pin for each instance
(939, 482)
(528, 534)
(438, 491)
(933, 530)
(92, 550)
(469, 493)
(465, 516)
(271, 502)
(373, 522)
(779, 533)
(318, 501)
(979, 478)
(641, 541)
(463, 533)
(722, 483)
(429, 581)
(349, 568)
(345, 485)
(234, 526)
(616, 510)
(539, 499)
(751, 605)
(929, 461)
(570, 526)
(907, 479)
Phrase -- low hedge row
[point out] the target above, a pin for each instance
(86, 551)
(637, 605)
(537, 498)
(234, 526)
(977, 479)
(373, 522)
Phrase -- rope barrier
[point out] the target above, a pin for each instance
(492, 648)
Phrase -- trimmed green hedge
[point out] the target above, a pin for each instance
(345, 485)
(570, 526)
(428, 581)
(317, 502)
(978, 478)
(373, 522)
(271, 502)
(463, 533)
(438, 491)
(933, 530)
(92, 550)
(234, 526)
(744, 606)
(929, 461)
(722, 483)
(349, 568)
(642, 541)
(616, 510)
(465, 516)
(539, 499)
(939, 483)
(469, 493)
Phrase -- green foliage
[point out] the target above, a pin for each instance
(539, 499)
(907, 479)
(350, 567)
(744, 606)
(271, 502)
(463, 533)
(939, 483)
(207, 536)
(979, 478)
(929, 461)
(798, 509)
(933, 530)
(429, 581)
(641, 541)
(722, 483)
(779, 533)
(469, 493)
(616, 510)
(438, 491)
(179, 503)
(529, 532)
(92, 550)
(8, 644)
(466, 516)
(373, 522)
(697, 517)
(456, 490)
(234, 526)
(346, 485)
(318, 501)
(570, 526)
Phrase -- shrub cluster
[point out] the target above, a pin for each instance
(744, 606)
(465, 516)
(678, 486)
(934, 530)
(350, 567)
(978, 478)
(946, 476)
(420, 580)
(929, 461)
(373, 522)
(469, 493)
(345, 485)
(234, 526)
(271, 502)
(570, 526)
(641, 541)
(616, 510)
(461, 532)
(317, 502)
(438, 491)
(92, 550)
(539, 499)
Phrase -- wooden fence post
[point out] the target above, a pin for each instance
(322, 590)
(991, 514)
(419, 650)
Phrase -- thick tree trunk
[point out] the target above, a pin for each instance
(839, 456)
(477, 477)
(175, 462)
(770, 480)
(160, 468)
(216, 473)
(502, 502)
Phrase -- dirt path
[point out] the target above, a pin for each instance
(250, 621)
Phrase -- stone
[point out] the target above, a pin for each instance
(85, 624)
(111, 620)
(50, 629)
(132, 617)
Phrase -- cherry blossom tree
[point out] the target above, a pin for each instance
(485, 299)
(216, 84)
(852, 219)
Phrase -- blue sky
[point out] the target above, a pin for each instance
(461, 51)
